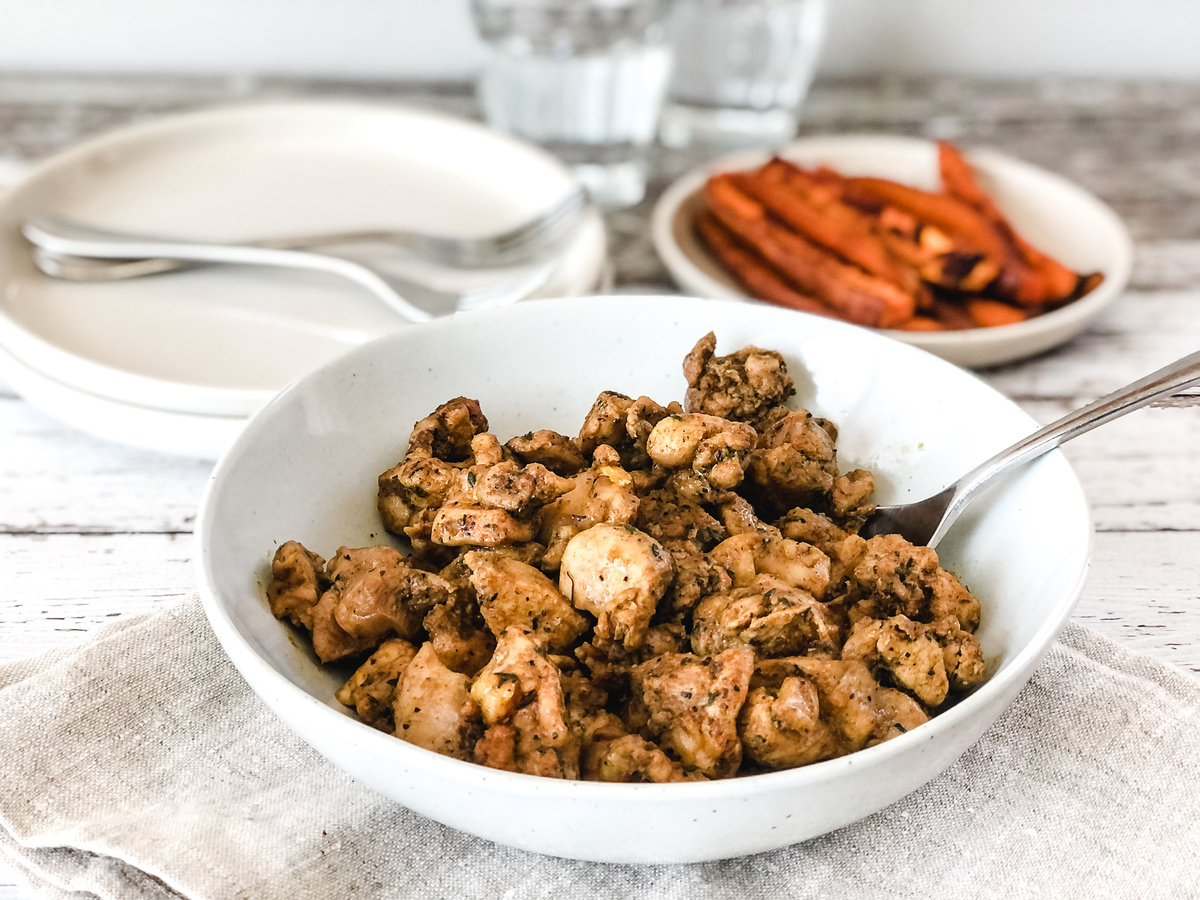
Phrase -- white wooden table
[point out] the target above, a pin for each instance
(91, 531)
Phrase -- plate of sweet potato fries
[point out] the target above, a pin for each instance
(977, 257)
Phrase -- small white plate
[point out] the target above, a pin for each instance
(223, 341)
(1053, 213)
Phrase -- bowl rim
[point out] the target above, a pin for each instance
(691, 277)
(1015, 672)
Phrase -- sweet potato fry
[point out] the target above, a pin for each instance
(921, 323)
(1045, 280)
(854, 294)
(826, 221)
(991, 313)
(751, 272)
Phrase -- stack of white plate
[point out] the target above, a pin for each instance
(177, 363)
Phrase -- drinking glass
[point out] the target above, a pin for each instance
(742, 69)
(583, 78)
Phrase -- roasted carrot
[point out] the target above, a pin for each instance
(858, 296)
(1045, 279)
(991, 313)
(751, 272)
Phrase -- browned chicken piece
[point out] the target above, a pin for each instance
(297, 583)
(641, 419)
(602, 493)
(496, 501)
(459, 635)
(371, 690)
(557, 452)
(802, 524)
(584, 698)
(521, 698)
(689, 705)
(893, 577)
(749, 555)
(962, 653)
(768, 615)
(781, 728)
(852, 702)
(513, 593)
(422, 479)
(380, 592)
(434, 709)
(739, 517)
(622, 423)
(851, 495)
(697, 575)
(330, 640)
(715, 449)
(901, 646)
(795, 464)
(610, 663)
(632, 758)
(749, 386)
(667, 516)
(618, 574)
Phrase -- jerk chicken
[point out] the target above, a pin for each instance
(678, 593)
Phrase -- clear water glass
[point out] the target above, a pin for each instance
(742, 70)
(583, 78)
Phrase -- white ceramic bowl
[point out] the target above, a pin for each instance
(305, 468)
(1054, 214)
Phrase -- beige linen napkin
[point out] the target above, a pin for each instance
(139, 765)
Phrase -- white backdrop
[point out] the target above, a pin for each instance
(433, 38)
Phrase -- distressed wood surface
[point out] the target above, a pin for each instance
(90, 531)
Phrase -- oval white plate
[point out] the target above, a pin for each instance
(1054, 214)
(223, 341)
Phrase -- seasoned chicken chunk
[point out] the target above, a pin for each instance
(893, 577)
(782, 728)
(459, 634)
(434, 709)
(690, 704)
(513, 593)
(768, 615)
(927, 660)
(557, 452)
(715, 449)
(371, 690)
(618, 574)
(421, 480)
(632, 758)
(749, 386)
(809, 527)
(495, 501)
(624, 424)
(795, 464)
(297, 583)
(602, 493)
(521, 698)
(851, 495)
(749, 555)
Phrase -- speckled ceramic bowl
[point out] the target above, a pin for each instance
(305, 468)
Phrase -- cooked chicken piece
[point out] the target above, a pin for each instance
(927, 660)
(618, 574)
(622, 423)
(434, 709)
(893, 577)
(371, 690)
(557, 452)
(423, 478)
(668, 516)
(459, 634)
(380, 592)
(795, 464)
(330, 640)
(513, 593)
(749, 386)
(852, 702)
(768, 615)
(714, 448)
(749, 555)
(697, 575)
(961, 651)
(297, 583)
(641, 419)
(495, 501)
(809, 527)
(632, 758)
(851, 495)
(601, 494)
(584, 698)
(521, 698)
(739, 517)
(782, 729)
(689, 706)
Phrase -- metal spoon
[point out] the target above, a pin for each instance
(927, 521)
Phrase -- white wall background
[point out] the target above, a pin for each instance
(433, 38)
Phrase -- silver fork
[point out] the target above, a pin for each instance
(79, 259)
(927, 521)
(527, 242)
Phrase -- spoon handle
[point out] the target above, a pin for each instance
(1157, 385)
